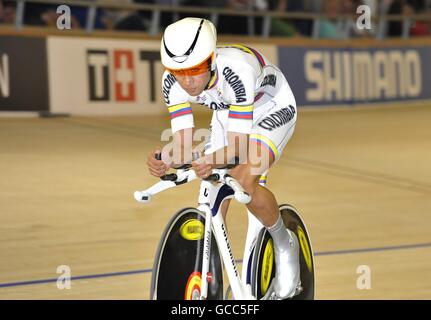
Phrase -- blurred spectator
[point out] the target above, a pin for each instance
(124, 20)
(419, 28)
(419, 6)
(330, 27)
(350, 27)
(33, 13)
(234, 24)
(145, 15)
(49, 18)
(80, 15)
(335, 27)
(203, 4)
(280, 26)
(7, 12)
(46, 15)
(372, 4)
(304, 27)
(166, 18)
(315, 5)
(398, 7)
(374, 8)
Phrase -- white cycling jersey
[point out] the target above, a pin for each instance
(244, 82)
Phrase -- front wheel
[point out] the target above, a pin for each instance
(263, 263)
(178, 262)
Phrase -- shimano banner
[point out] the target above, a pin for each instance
(339, 76)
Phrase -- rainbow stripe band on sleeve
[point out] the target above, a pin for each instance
(264, 141)
(258, 56)
(250, 51)
(262, 179)
(241, 112)
(179, 110)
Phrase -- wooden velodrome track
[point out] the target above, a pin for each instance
(360, 177)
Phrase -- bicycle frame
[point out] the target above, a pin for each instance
(211, 196)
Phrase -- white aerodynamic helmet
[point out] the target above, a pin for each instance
(188, 46)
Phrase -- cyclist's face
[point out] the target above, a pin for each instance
(194, 85)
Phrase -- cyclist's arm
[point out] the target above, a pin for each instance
(182, 123)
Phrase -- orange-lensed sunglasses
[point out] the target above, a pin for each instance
(195, 70)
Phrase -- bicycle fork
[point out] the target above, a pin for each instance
(205, 275)
(224, 247)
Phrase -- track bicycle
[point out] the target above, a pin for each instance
(195, 247)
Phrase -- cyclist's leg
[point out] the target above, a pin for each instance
(266, 144)
(263, 204)
(265, 147)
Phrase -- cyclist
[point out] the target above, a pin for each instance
(252, 103)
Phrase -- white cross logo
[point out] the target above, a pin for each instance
(124, 76)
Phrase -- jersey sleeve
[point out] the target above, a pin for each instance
(176, 99)
(241, 85)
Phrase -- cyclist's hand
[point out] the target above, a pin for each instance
(156, 167)
(202, 168)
